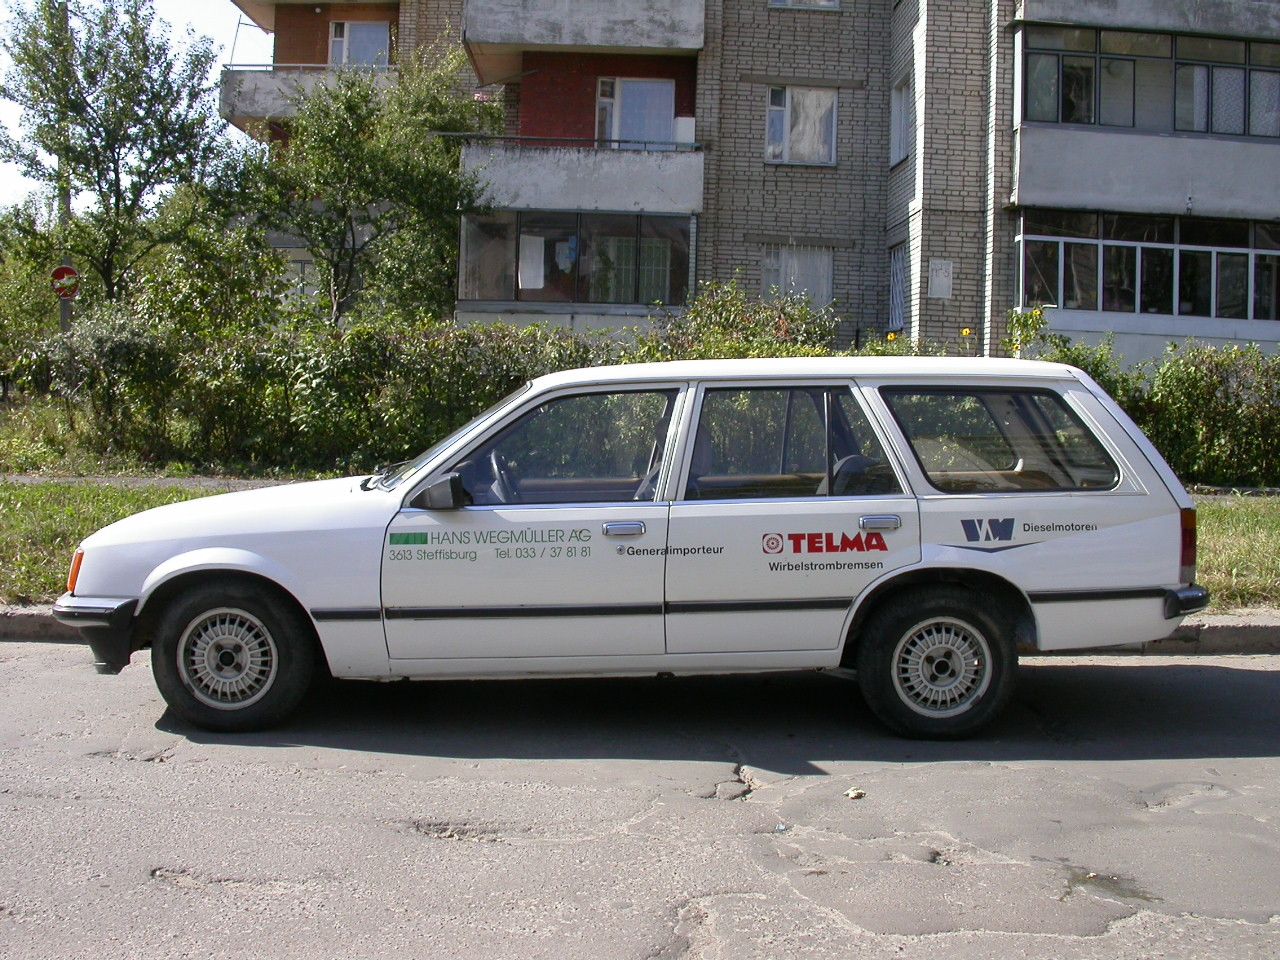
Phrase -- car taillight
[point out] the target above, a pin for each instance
(74, 575)
(1188, 560)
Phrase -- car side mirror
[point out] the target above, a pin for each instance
(443, 493)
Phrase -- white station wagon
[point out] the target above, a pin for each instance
(914, 520)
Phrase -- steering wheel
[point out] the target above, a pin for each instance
(502, 483)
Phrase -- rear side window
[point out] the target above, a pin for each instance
(786, 443)
(1000, 441)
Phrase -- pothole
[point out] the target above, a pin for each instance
(450, 830)
(1108, 885)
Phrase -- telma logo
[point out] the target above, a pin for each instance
(824, 543)
(979, 530)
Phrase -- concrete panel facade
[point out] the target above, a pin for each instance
(246, 96)
(1141, 337)
(1235, 18)
(622, 181)
(1092, 169)
(603, 24)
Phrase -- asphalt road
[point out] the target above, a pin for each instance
(1123, 808)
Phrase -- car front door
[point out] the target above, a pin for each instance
(561, 551)
(789, 509)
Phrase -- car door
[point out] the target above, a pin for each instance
(561, 551)
(789, 508)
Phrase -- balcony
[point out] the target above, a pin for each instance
(255, 93)
(527, 173)
(498, 32)
(1087, 168)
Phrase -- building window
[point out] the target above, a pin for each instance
(359, 43)
(902, 120)
(550, 257)
(898, 287)
(800, 125)
(488, 257)
(1172, 266)
(635, 114)
(1152, 81)
(803, 270)
(807, 4)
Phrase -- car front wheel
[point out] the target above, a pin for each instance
(936, 664)
(232, 657)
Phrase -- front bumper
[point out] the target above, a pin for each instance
(106, 623)
(1185, 600)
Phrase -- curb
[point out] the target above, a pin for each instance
(34, 624)
(1248, 632)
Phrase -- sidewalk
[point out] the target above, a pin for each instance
(1254, 631)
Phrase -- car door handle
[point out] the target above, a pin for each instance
(624, 528)
(886, 521)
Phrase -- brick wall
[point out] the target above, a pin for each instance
(748, 202)
(558, 90)
(424, 22)
(302, 34)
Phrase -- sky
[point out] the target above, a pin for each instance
(215, 19)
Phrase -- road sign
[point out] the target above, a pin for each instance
(66, 282)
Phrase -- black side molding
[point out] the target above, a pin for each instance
(347, 614)
(1088, 596)
(1177, 603)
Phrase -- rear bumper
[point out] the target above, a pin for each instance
(106, 623)
(1185, 600)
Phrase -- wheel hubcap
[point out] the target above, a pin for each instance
(227, 659)
(941, 667)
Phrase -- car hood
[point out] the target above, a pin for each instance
(310, 506)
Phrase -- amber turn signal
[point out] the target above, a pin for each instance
(75, 571)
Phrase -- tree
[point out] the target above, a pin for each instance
(28, 307)
(365, 181)
(114, 117)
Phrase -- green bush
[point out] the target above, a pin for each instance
(723, 322)
(308, 396)
(1214, 412)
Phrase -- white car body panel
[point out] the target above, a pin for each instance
(463, 603)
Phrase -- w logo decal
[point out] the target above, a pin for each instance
(976, 531)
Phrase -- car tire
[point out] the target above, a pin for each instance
(233, 657)
(937, 663)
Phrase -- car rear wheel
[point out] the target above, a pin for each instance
(936, 664)
(233, 657)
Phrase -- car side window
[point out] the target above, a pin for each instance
(995, 440)
(583, 448)
(785, 443)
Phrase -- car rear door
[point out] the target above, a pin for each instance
(787, 507)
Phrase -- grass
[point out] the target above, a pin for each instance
(1239, 550)
(42, 524)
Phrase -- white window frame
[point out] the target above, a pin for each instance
(771, 272)
(785, 110)
(902, 108)
(1177, 248)
(344, 26)
(613, 106)
(899, 258)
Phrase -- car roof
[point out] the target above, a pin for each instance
(810, 367)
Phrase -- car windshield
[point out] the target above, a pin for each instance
(397, 474)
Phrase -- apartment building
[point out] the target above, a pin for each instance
(922, 165)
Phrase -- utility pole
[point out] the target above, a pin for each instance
(64, 175)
